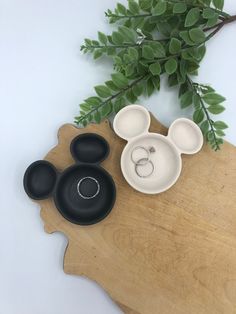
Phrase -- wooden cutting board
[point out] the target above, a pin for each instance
(172, 253)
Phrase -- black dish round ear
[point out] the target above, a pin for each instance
(40, 179)
(89, 148)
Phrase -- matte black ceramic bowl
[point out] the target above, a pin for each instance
(84, 193)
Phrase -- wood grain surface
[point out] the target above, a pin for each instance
(172, 253)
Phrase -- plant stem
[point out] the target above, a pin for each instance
(227, 20)
(127, 16)
(194, 89)
(125, 45)
(218, 28)
(112, 97)
(221, 13)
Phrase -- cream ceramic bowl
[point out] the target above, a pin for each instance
(184, 137)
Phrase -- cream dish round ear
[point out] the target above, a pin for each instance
(150, 162)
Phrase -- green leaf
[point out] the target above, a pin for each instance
(95, 42)
(198, 116)
(219, 4)
(121, 8)
(179, 7)
(220, 133)
(213, 98)
(129, 70)
(212, 21)
(220, 125)
(90, 117)
(97, 117)
(183, 89)
(84, 122)
(156, 82)
(137, 22)
(102, 91)
(160, 8)
(93, 101)
(85, 107)
(102, 38)
(186, 99)
(210, 136)
(205, 89)
(119, 104)
(130, 96)
(185, 36)
(112, 86)
(172, 80)
(205, 127)
(192, 17)
(191, 67)
(137, 90)
(127, 58)
(97, 54)
(175, 46)
(128, 34)
(119, 80)
(164, 28)
(197, 35)
(133, 7)
(181, 79)
(159, 50)
(220, 141)
(155, 68)
(142, 68)
(111, 51)
(201, 52)
(171, 66)
(208, 13)
(183, 68)
(147, 52)
(117, 38)
(106, 109)
(133, 53)
(117, 60)
(150, 87)
(196, 101)
(216, 109)
(88, 42)
(206, 2)
(145, 4)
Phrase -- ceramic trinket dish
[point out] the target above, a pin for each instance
(151, 163)
(84, 193)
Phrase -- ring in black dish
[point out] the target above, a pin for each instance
(84, 193)
(73, 206)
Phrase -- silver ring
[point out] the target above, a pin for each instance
(141, 165)
(84, 196)
(142, 161)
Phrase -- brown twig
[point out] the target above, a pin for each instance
(218, 26)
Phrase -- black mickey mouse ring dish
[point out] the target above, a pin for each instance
(150, 162)
(84, 193)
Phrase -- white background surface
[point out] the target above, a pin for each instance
(43, 76)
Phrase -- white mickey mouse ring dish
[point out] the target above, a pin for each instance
(150, 162)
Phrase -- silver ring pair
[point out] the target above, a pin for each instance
(143, 161)
(85, 196)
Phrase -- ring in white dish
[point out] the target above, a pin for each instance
(184, 137)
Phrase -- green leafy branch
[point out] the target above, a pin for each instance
(156, 37)
(206, 102)
(157, 8)
(115, 89)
